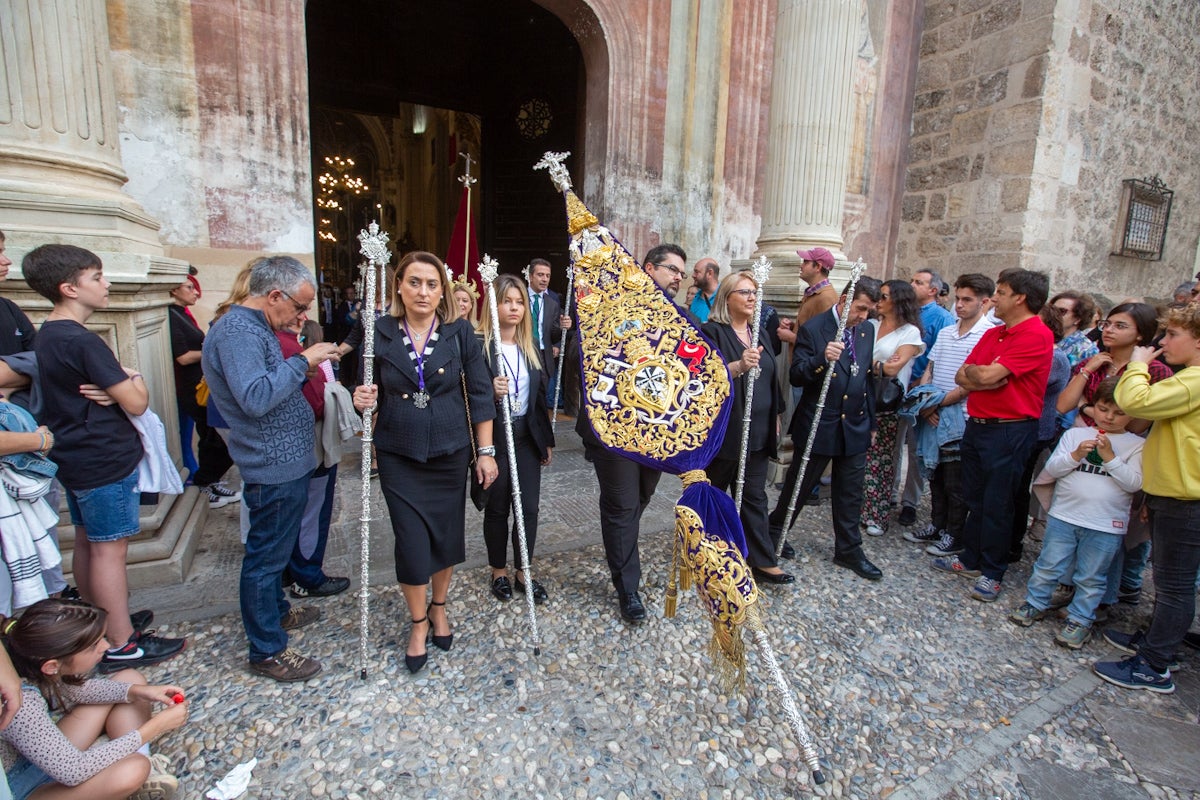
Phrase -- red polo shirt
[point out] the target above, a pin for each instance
(1026, 350)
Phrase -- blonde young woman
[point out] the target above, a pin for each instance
(466, 297)
(424, 357)
(522, 382)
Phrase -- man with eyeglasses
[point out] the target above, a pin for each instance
(271, 441)
(626, 486)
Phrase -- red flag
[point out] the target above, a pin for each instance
(463, 257)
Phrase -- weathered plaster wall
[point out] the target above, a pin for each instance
(155, 79)
(252, 88)
(1122, 100)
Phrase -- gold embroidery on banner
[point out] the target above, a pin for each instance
(644, 396)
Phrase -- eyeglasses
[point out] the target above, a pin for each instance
(885, 297)
(746, 293)
(300, 309)
(674, 270)
(1116, 326)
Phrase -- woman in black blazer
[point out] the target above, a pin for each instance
(729, 328)
(533, 437)
(428, 363)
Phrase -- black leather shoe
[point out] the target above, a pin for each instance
(788, 551)
(501, 588)
(780, 578)
(539, 591)
(859, 564)
(416, 663)
(632, 609)
(440, 642)
(327, 588)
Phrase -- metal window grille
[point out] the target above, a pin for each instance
(1145, 212)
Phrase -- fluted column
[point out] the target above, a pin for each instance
(811, 125)
(60, 182)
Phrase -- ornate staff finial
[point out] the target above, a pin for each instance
(761, 270)
(558, 172)
(465, 179)
(488, 269)
(525, 272)
(374, 244)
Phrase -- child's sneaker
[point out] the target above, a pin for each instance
(1134, 673)
(1073, 635)
(142, 650)
(946, 545)
(926, 535)
(985, 589)
(1026, 615)
(160, 784)
(952, 564)
(1062, 597)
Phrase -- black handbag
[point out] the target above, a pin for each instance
(889, 392)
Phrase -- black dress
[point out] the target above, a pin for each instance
(423, 453)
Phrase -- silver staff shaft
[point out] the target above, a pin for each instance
(562, 350)
(374, 247)
(760, 272)
(790, 710)
(487, 271)
(855, 272)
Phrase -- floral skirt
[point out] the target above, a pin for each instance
(881, 472)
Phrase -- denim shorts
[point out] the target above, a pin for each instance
(24, 778)
(108, 512)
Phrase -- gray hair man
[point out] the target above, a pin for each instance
(258, 392)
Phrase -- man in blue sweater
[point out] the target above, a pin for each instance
(271, 441)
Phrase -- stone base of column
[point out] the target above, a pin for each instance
(161, 554)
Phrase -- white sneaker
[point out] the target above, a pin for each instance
(219, 496)
(874, 530)
(160, 784)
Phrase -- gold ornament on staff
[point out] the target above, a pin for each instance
(374, 247)
(488, 271)
(760, 270)
(855, 273)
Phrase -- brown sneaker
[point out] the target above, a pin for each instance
(299, 616)
(287, 667)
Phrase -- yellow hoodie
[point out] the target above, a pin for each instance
(1171, 458)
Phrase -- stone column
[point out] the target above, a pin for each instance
(810, 132)
(60, 182)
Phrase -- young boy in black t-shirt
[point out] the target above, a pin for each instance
(97, 449)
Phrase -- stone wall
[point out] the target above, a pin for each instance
(1027, 116)
(1122, 100)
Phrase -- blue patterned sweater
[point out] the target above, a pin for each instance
(258, 391)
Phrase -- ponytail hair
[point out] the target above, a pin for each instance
(51, 629)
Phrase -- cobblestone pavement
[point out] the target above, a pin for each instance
(910, 688)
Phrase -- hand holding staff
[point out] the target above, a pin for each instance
(488, 269)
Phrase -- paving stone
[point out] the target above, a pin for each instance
(1043, 781)
(1162, 750)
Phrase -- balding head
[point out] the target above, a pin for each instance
(707, 275)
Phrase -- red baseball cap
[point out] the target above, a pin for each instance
(819, 255)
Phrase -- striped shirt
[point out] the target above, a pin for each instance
(951, 350)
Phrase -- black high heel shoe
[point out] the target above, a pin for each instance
(416, 663)
(440, 642)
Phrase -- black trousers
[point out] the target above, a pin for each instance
(212, 454)
(500, 500)
(993, 462)
(722, 473)
(848, 472)
(949, 510)
(625, 490)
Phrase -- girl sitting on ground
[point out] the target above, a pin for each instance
(55, 645)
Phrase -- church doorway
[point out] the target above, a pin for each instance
(402, 92)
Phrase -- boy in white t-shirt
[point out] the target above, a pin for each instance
(1097, 471)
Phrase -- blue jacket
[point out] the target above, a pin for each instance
(952, 423)
(15, 419)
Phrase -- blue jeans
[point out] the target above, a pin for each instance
(107, 513)
(275, 511)
(1176, 537)
(993, 461)
(1126, 571)
(1082, 552)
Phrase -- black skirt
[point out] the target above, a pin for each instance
(427, 504)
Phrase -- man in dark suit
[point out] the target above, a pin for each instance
(326, 306)
(846, 428)
(625, 485)
(548, 320)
